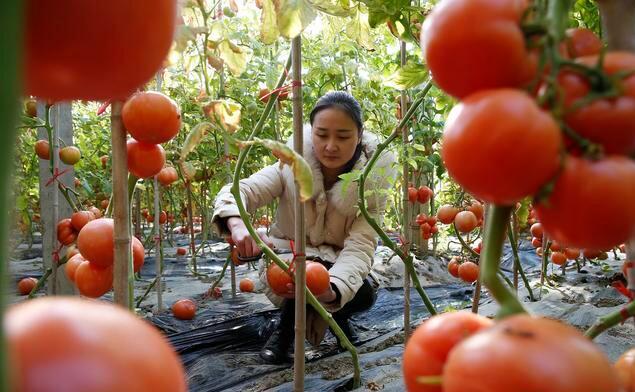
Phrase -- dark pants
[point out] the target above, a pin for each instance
(363, 300)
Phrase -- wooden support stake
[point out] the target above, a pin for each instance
(121, 212)
(406, 230)
(158, 251)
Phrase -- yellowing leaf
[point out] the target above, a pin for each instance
(235, 57)
(301, 169)
(294, 16)
(412, 75)
(359, 30)
(225, 113)
(194, 138)
(340, 8)
(269, 32)
(189, 170)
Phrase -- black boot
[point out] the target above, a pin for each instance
(276, 350)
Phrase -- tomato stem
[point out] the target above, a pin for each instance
(611, 320)
(11, 17)
(514, 244)
(493, 245)
(361, 202)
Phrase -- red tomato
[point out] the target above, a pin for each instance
(26, 285)
(42, 149)
(73, 50)
(70, 268)
(468, 272)
(145, 160)
(536, 242)
(582, 42)
(163, 217)
(181, 251)
(555, 246)
(600, 192)
(138, 254)
(151, 117)
(465, 221)
(184, 309)
(93, 281)
(246, 285)
(80, 218)
(428, 348)
(572, 253)
(625, 367)
(558, 258)
(65, 233)
(446, 214)
(453, 267)
(96, 242)
(513, 136)
(412, 194)
(609, 122)
(525, 353)
(318, 279)
(167, 176)
(424, 194)
(477, 209)
(467, 54)
(536, 230)
(278, 279)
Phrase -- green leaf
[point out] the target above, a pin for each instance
(287, 156)
(235, 57)
(349, 178)
(411, 75)
(294, 16)
(359, 30)
(413, 163)
(194, 138)
(419, 147)
(269, 32)
(523, 212)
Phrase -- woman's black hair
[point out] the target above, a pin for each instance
(346, 102)
(343, 101)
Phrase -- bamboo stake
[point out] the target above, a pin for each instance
(405, 226)
(190, 217)
(158, 252)
(300, 231)
(121, 212)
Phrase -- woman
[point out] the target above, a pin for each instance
(337, 236)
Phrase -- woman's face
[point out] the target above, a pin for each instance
(335, 136)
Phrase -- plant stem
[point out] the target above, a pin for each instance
(10, 47)
(514, 245)
(407, 259)
(611, 320)
(493, 244)
(222, 273)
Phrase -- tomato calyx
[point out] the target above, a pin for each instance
(430, 380)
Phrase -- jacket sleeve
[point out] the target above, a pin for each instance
(256, 191)
(355, 260)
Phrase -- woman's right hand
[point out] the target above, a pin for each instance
(246, 245)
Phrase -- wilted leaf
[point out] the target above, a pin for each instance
(269, 32)
(189, 170)
(185, 34)
(194, 138)
(225, 113)
(301, 169)
(215, 62)
(411, 75)
(233, 5)
(294, 16)
(234, 56)
(359, 30)
(341, 8)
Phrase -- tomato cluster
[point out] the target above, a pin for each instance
(466, 270)
(318, 279)
(573, 151)
(151, 118)
(421, 195)
(427, 226)
(471, 353)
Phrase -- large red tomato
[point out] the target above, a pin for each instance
(429, 346)
(609, 122)
(96, 242)
(184, 309)
(167, 176)
(525, 353)
(318, 279)
(73, 345)
(278, 279)
(151, 117)
(591, 205)
(500, 146)
(94, 50)
(625, 366)
(476, 45)
(93, 281)
(145, 160)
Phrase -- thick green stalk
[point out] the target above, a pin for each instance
(407, 259)
(10, 61)
(514, 245)
(493, 246)
(244, 215)
(611, 320)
